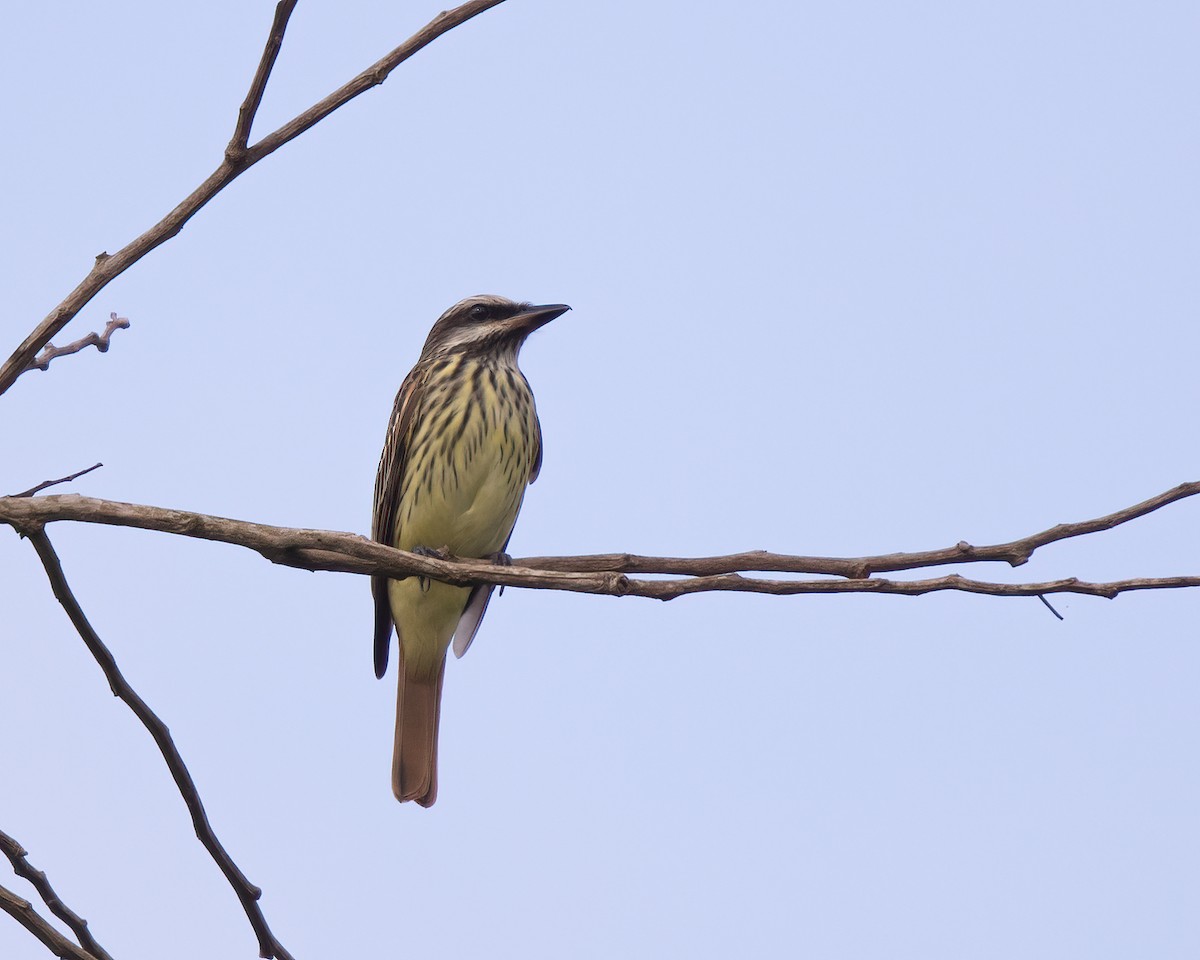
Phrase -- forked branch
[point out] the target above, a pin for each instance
(236, 162)
(239, 156)
(22, 911)
(1014, 552)
(258, 86)
(23, 868)
(246, 892)
(608, 573)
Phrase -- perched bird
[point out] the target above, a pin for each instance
(462, 444)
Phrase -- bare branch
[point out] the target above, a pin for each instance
(22, 911)
(258, 86)
(54, 483)
(371, 77)
(246, 892)
(605, 574)
(670, 589)
(107, 267)
(1014, 552)
(23, 868)
(98, 340)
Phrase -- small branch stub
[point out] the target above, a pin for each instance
(98, 340)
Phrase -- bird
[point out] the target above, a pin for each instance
(463, 442)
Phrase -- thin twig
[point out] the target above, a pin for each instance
(53, 483)
(23, 868)
(1050, 606)
(258, 86)
(22, 911)
(604, 574)
(98, 340)
(246, 892)
(107, 266)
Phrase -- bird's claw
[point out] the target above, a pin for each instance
(423, 582)
(500, 559)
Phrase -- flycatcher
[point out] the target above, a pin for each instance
(462, 444)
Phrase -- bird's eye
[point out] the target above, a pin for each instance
(479, 312)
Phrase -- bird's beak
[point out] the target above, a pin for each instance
(533, 317)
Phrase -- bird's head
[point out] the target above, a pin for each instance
(487, 325)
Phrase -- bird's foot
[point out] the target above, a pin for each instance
(423, 582)
(500, 559)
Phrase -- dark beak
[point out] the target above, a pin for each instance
(532, 317)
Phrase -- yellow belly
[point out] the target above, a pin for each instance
(463, 497)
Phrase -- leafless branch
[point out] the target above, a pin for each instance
(98, 340)
(107, 266)
(246, 892)
(1014, 552)
(607, 573)
(22, 911)
(371, 77)
(671, 589)
(53, 483)
(23, 868)
(258, 86)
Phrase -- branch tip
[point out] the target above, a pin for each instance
(1050, 607)
(52, 483)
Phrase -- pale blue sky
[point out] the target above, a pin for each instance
(846, 278)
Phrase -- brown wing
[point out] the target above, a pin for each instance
(387, 494)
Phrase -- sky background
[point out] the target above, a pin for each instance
(847, 278)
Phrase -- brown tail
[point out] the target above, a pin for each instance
(414, 762)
